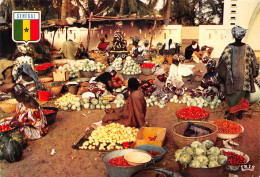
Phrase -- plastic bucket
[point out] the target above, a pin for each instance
(115, 171)
(148, 147)
(44, 95)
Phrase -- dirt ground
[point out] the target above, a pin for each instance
(71, 126)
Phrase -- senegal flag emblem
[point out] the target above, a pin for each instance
(26, 26)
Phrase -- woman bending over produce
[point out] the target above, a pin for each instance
(133, 112)
(29, 116)
(106, 78)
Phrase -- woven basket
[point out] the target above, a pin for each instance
(55, 91)
(8, 106)
(127, 77)
(45, 79)
(147, 71)
(181, 141)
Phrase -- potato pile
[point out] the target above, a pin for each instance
(110, 137)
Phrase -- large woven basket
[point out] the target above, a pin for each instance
(8, 106)
(181, 141)
(146, 71)
(87, 74)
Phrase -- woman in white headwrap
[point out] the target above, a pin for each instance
(237, 68)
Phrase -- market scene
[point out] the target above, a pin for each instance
(122, 88)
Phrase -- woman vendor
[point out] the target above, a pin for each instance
(26, 76)
(133, 112)
(161, 89)
(106, 78)
(210, 83)
(238, 67)
(29, 116)
(137, 50)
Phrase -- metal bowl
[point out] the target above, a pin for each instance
(229, 136)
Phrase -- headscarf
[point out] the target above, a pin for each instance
(102, 39)
(135, 39)
(238, 32)
(146, 42)
(27, 69)
(159, 72)
(211, 63)
(110, 69)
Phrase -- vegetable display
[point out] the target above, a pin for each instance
(82, 65)
(197, 101)
(118, 63)
(4, 126)
(154, 153)
(228, 127)
(43, 67)
(130, 67)
(109, 137)
(68, 101)
(147, 65)
(47, 111)
(234, 159)
(200, 155)
(119, 161)
(153, 101)
(192, 113)
(119, 101)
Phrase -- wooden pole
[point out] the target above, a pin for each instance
(149, 51)
(66, 33)
(89, 31)
(53, 39)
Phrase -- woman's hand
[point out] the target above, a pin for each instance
(109, 111)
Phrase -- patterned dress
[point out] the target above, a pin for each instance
(35, 117)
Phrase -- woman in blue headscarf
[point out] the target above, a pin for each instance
(238, 67)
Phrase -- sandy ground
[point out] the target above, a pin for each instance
(70, 127)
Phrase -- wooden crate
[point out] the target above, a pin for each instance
(146, 132)
(60, 75)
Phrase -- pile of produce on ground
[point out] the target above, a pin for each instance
(198, 101)
(109, 137)
(119, 101)
(154, 101)
(68, 101)
(200, 155)
(43, 67)
(118, 63)
(192, 113)
(82, 65)
(130, 67)
(228, 126)
(4, 125)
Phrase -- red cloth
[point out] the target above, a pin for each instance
(243, 105)
(102, 46)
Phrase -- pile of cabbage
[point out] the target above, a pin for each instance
(119, 101)
(200, 155)
(100, 103)
(118, 63)
(119, 89)
(82, 65)
(153, 101)
(69, 101)
(130, 67)
(197, 101)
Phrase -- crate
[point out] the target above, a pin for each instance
(146, 132)
(60, 75)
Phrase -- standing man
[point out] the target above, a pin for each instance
(238, 67)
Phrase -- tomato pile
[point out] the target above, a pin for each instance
(192, 113)
(228, 127)
(147, 65)
(154, 153)
(234, 159)
(119, 161)
(5, 127)
(47, 111)
(43, 66)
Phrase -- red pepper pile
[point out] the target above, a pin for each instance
(47, 111)
(192, 113)
(234, 159)
(5, 127)
(147, 65)
(43, 66)
(152, 138)
(154, 153)
(228, 127)
(119, 161)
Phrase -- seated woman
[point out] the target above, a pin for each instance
(161, 89)
(105, 79)
(133, 112)
(210, 83)
(27, 76)
(29, 116)
(102, 45)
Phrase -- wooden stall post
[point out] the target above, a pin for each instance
(155, 21)
(89, 29)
